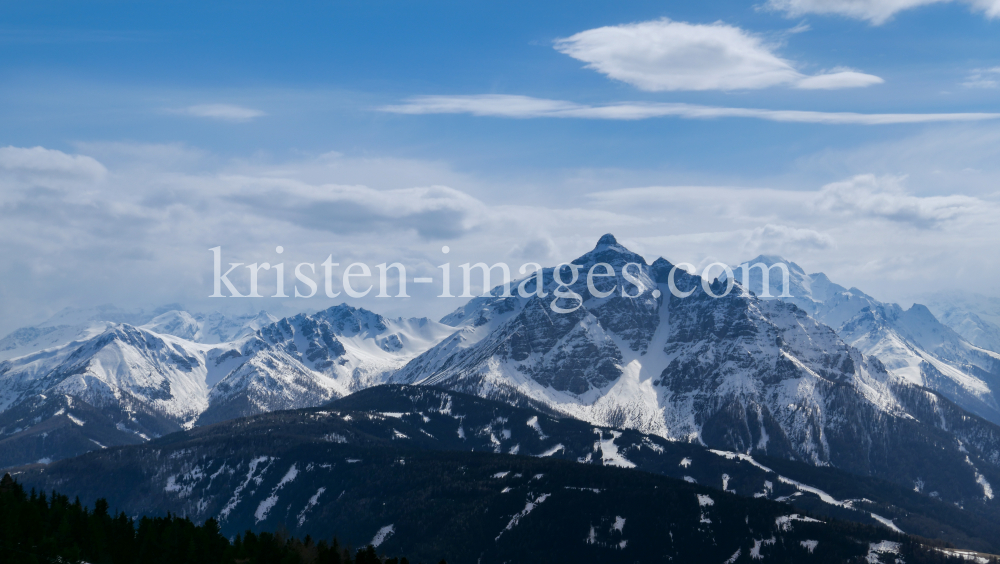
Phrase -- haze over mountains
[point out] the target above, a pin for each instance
(827, 377)
(973, 316)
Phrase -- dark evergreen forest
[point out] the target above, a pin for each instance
(36, 528)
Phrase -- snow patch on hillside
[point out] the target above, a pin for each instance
(265, 506)
(382, 534)
(609, 450)
(313, 501)
(528, 508)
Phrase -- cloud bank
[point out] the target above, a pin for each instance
(42, 162)
(786, 240)
(883, 197)
(436, 212)
(142, 238)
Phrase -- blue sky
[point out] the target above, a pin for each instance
(163, 119)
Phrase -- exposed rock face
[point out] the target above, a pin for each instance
(735, 372)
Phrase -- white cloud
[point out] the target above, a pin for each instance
(668, 55)
(883, 197)
(838, 79)
(782, 239)
(225, 112)
(141, 236)
(499, 105)
(875, 11)
(792, 216)
(436, 212)
(867, 231)
(39, 161)
(983, 78)
(541, 250)
(936, 160)
(665, 55)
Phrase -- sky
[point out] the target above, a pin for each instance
(859, 138)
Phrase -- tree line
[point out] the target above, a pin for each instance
(36, 528)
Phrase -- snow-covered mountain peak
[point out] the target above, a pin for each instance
(172, 371)
(308, 359)
(350, 321)
(738, 372)
(912, 344)
(609, 250)
(491, 310)
(125, 368)
(804, 289)
(221, 328)
(661, 265)
(921, 313)
(771, 260)
(177, 323)
(261, 319)
(607, 240)
(735, 370)
(874, 316)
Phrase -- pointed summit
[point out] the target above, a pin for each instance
(771, 260)
(609, 250)
(607, 239)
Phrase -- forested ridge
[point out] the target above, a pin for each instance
(40, 528)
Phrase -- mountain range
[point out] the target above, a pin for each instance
(912, 343)
(119, 383)
(829, 377)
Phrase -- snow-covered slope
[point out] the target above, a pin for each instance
(27, 340)
(76, 324)
(211, 328)
(915, 346)
(736, 371)
(824, 300)
(973, 316)
(306, 360)
(355, 346)
(147, 381)
(70, 324)
(912, 343)
(124, 365)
